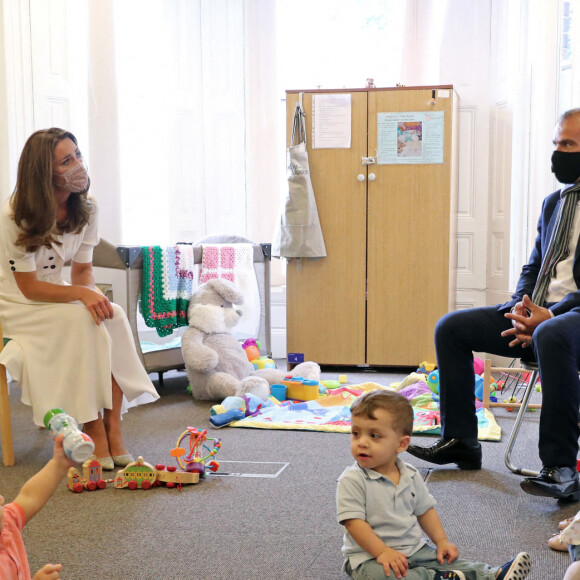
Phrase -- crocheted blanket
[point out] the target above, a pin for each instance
(235, 262)
(168, 275)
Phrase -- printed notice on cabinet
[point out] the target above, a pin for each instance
(411, 137)
(331, 121)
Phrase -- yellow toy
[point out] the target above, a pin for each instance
(301, 389)
(426, 367)
(263, 363)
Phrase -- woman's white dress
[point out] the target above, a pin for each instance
(58, 355)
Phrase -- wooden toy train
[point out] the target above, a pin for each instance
(138, 474)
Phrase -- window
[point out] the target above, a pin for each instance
(333, 44)
(339, 43)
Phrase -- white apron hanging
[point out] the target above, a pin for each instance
(299, 234)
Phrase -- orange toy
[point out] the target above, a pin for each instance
(252, 348)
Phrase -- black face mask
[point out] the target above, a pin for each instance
(566, 166)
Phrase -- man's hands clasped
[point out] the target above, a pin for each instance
(526, 317)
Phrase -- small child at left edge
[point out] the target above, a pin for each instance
(13, 516)
(385, 506)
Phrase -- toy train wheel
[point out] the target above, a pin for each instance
(78, 488)
(132, 485)
(101, 484)
(91, 485)
(170, 484)
(146, 485)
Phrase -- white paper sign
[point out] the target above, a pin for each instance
(331, 121)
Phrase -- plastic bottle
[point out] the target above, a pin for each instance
(78, 446)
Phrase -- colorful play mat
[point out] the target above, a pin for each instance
(331, 413)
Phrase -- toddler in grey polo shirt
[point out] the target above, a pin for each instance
(385, 506)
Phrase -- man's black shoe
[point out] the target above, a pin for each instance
(557, 482)
(467, 456)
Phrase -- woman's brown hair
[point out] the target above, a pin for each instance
(33, 203)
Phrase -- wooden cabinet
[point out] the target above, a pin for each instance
(390, 240)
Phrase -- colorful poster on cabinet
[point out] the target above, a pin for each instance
(410, 137)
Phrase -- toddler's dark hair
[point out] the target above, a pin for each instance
(390, 401)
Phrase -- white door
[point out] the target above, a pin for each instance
(59, 51)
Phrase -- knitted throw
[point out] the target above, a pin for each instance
(167, 286)
(558, 246)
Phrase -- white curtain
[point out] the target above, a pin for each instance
(535, 106)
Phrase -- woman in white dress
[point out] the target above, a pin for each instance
(70, 347)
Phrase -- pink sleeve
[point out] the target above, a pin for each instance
(13, 559)
(16, 513)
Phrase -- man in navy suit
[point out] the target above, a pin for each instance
(548, 332)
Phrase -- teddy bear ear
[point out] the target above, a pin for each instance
(227, 290)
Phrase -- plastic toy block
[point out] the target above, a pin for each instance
(300, 389)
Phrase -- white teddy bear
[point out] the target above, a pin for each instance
(216, 363)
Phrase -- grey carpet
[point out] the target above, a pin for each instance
(263, 528)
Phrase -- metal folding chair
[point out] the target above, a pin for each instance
(533, 379)
(525, 367)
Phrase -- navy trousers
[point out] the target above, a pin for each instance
(556, 348)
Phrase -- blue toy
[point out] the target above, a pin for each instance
(479, 387)
(236, 408)
(223, 419)
(263, 362)
(433, 382)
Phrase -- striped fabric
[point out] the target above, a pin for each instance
(558, 246)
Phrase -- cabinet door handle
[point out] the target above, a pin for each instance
(360, 177)
(372, 176)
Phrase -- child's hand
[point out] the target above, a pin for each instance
(48, 572)
(390, 558)
(446, 549)
(60, 456)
